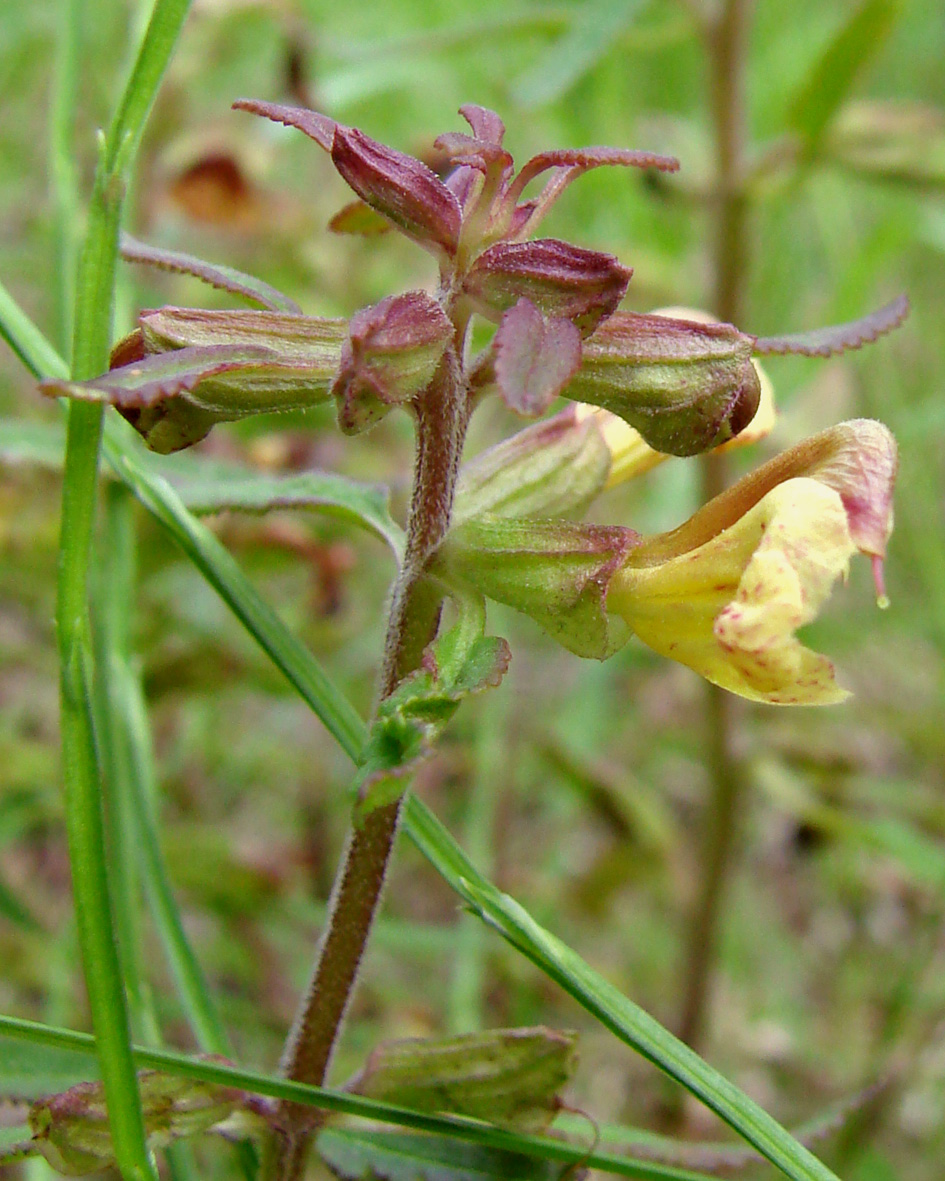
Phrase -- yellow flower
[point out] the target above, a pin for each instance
(725, 592)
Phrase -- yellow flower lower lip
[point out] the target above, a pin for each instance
(730, 607)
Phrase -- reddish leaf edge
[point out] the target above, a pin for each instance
(840, 338)
(223, 278)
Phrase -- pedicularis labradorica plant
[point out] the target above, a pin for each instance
(724, 593)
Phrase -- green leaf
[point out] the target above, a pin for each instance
(217, 275)
(540, 1147)
(369, 1153)
(223, 573)
(208, 485)
(833, 75)
(594, 28)
(460, 662)
(507, 1077)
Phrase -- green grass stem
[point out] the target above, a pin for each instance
(95, 283)
(541, 1147)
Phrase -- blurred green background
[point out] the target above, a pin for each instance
(579, 787)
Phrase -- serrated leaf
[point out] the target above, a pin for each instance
(365, 1154)
(209, 485)
(174, 398)
(827, 342)
(167, 375)
(216, 274)
(833, 75)
(507, 1077)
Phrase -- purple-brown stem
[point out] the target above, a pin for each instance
(441, 417)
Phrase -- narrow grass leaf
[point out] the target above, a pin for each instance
(13, 1030)
(223, 573)
(594, 29)
(625, 1019)
(832, 76)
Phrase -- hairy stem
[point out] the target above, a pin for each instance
(441, 417)
(726, 45)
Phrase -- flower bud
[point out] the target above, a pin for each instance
(392, 352)
(399, 187)
(184, 370)
(563, 281)
(508, 1077)
(684, 386)
(553, 468)
(553, 571)
(72, 1132)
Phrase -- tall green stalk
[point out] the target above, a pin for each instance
(725, 36)
(81, 773)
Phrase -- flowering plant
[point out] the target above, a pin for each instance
(724, 593)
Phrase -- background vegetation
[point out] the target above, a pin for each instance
(581, 789)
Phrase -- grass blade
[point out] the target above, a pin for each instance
(81, 774)
(626, 1020)
(469, 1131)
